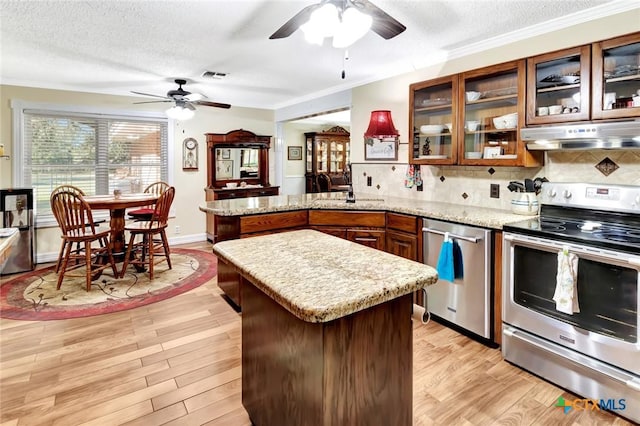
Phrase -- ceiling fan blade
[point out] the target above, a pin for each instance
(188, 105)
(213, 104)
(153, 102)
(193, 97)
(149, 94)
(383, 24)
(294, 23)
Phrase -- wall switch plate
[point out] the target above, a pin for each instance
(368, 180)
(494, 191)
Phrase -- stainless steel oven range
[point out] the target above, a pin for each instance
(570, 296)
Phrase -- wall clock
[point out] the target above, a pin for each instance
(190, 154)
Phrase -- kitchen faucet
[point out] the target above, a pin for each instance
(351, 198)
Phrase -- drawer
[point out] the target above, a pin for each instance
(272, 221)
(402, 222)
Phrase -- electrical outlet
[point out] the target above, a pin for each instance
(494, 191)
(177, 229)
(369, 181)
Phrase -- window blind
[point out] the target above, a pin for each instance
(95, 153)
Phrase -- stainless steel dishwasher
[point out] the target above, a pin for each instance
(466, 301)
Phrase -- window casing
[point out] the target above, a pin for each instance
(97, 151)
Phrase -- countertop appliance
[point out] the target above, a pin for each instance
(465, 301)
(591, 348)
(17, 208)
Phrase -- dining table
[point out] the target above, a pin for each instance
(117, 206)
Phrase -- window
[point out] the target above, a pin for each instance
(96, 152)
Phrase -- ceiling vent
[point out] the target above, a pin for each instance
(214, 75)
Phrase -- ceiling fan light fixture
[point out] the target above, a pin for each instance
(322, 23)
(179, 112)
(345, 27)
(353, 27)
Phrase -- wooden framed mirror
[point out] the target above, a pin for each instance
(239, 157)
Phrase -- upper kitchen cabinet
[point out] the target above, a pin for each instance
(326, 153)
(491, 108)
(432, 120)
(558, 86)
(616, 78)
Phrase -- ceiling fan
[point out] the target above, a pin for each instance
(182, 99)
(381, 23)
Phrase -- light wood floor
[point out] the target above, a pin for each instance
(177, 362)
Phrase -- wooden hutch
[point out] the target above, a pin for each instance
(237, 167)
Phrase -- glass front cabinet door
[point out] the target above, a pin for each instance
(616, 78)
(491, 110)
(558, 86)
(432, 121)
(327, 152)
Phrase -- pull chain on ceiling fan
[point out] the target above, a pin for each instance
(183, 100)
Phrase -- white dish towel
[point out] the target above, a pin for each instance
(566, 294)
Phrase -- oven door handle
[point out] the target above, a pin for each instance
(454, 236)
(589, 251)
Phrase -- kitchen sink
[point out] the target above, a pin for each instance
(337, 201)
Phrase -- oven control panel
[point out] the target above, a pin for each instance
(601, 193)
(623, 198)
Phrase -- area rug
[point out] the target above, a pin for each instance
(34, 297)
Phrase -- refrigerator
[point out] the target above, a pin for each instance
(17, 209)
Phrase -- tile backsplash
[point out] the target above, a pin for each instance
(471, 185)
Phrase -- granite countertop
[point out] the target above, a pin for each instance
(319, 277)
(470, 215)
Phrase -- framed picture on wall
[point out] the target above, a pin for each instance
(380, 149)
(226, 154)
(295, 153)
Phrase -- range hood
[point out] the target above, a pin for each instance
(609, 135)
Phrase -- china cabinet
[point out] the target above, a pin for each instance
(433, 120)
(326, 152)
(491, 110)
(616, 77)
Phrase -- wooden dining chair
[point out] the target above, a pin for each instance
(323, 182)
(63, 245)
(75, 219)
(146, 212)
(145, 251)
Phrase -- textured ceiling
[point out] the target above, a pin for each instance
(110, 46)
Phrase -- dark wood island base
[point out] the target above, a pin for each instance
(354, 370)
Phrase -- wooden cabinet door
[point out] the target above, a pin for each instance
(402, 244)
(432, 103)
(556, 82)
(616, 79)
(491, 110)
(367, 237)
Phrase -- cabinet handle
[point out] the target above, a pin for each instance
(402, 244)
(368, 239)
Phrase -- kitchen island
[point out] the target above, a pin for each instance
(326, 329)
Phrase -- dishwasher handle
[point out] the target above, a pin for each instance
(454, 236)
